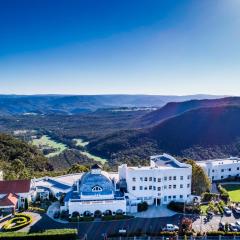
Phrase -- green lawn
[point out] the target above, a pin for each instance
(80, 142)
(204, 209)
(233, 191)
(46, 142)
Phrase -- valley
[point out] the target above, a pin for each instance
(131, 135)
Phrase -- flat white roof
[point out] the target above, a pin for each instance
(217, 162)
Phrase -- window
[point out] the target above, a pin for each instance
(134, 179)
(229, 169)
(170, 178)
(145, 188)
(150, 179)
(181, 178)
(221, 177)
(181, 186)
(159, 179)
(141, 188)
(189, 176)
(181, 196)
(170, 186)
(212, 177)
(174, 178)
(174, 186)
(154, 179)
(154, 188)
(150, 187)
(159, 188)
(174, 197)
(222, 170)
(141, 179)
(188, 186)
(96, 189)
(212, 170)
(238, 168)
(133, 188)
(165, 198)
(165, 178)
(145, 179)
(169, 197)
(165, 186)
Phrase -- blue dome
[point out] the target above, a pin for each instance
(96, 184)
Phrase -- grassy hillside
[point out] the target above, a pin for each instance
(199, 134)
(18, 159)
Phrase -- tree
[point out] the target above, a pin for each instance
(186, 224)
(200, 181)
(76, 168)
(26, 204)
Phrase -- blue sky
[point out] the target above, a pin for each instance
(138, 46)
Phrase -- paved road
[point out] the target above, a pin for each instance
(94, 230)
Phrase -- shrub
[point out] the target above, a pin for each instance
(116, 217)
(54, 234)
(223, 193)
(179, 207)
(82, 219)
(207, 197)
(19, 221)
(186, 224)
(36, 209)
(143, 206)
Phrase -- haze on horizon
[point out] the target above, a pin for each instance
(164, 47)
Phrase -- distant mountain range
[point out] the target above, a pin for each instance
(67, 104)
(198, 129)
(173, 109)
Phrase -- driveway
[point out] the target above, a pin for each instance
(155, 212)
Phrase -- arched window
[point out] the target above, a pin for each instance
(96, 189)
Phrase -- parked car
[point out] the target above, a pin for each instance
(170, 228)
(222, 226)
(210, 214)
(233, 227)
(237, 210)
(238, 225)
(227, 211)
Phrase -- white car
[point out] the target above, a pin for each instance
(237, 210)
(238, 225)
(227, 211)
(233, 227)
(170, 228)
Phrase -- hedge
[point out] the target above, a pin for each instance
(217, 233)
(54, 234)
(116, 217)
(81, 219)
(20, 220)
(179, 207)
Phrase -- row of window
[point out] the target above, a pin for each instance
(229, 176)
(159, 188)
(168, 198)
(229, 169)
(150, 179)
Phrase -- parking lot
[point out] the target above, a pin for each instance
(200, 224)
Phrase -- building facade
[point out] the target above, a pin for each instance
(165, 180)
(95, 194)
(220, 169)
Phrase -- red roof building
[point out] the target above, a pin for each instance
(10, 200)
(15, 186)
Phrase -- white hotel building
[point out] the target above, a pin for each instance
(165, 180)
(98, 192)
(219, 169)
